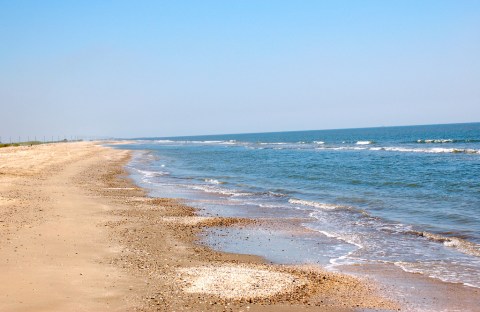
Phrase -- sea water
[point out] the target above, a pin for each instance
(409, 196)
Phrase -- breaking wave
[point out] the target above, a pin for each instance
(426, 141)
(213, 181)
(364, 142)
(363, 145)
(151, 174)
(314, 204)
(433, 150)
(454, 242)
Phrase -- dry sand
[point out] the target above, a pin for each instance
(77, 235)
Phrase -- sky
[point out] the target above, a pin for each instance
(165, 68)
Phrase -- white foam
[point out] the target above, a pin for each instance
(213, 181)
(268, 206)
(433, 271)
(313, 204)
(230, 142)
(328, 234)
(462, 245)
(342, 148)
(435, 150)
(319, 142)
(206, 142)
(436, 141)
(150, 174)
(350, 239)
(364, 142)
(273, 143)
(213, 189)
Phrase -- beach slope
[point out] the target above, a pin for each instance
(77, 235)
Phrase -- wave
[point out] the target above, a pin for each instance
(151, 174)
(267, 205)
(196, 142)
(314, 204)
(345, 238)
(433, 150)
(213, 181)
(364, 147)
(434, 270)
(217, 190)
(460, 244)
(364, 142)
(356, 145)
(427, 141)
(343, 148)
(206, 142)
(436, 141)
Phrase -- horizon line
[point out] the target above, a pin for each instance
(307, 130)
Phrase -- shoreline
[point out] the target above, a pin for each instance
(80, 233)
(317, 287)
(415, 291)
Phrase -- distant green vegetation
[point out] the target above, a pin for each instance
(28, 143)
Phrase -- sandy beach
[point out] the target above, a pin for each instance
(240, 156)
(78, 235)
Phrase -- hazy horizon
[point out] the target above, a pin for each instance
(149, 69)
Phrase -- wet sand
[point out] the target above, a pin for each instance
(78, 235)
(283, 239)
(417, 292)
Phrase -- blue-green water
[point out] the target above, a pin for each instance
(403, 195)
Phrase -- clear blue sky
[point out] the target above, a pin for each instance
(158, 68)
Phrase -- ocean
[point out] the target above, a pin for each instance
(408, 196)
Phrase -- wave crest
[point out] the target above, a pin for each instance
(364, 142)
(313, 204)
(427, 141)
(213, 181)
(454, 242)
